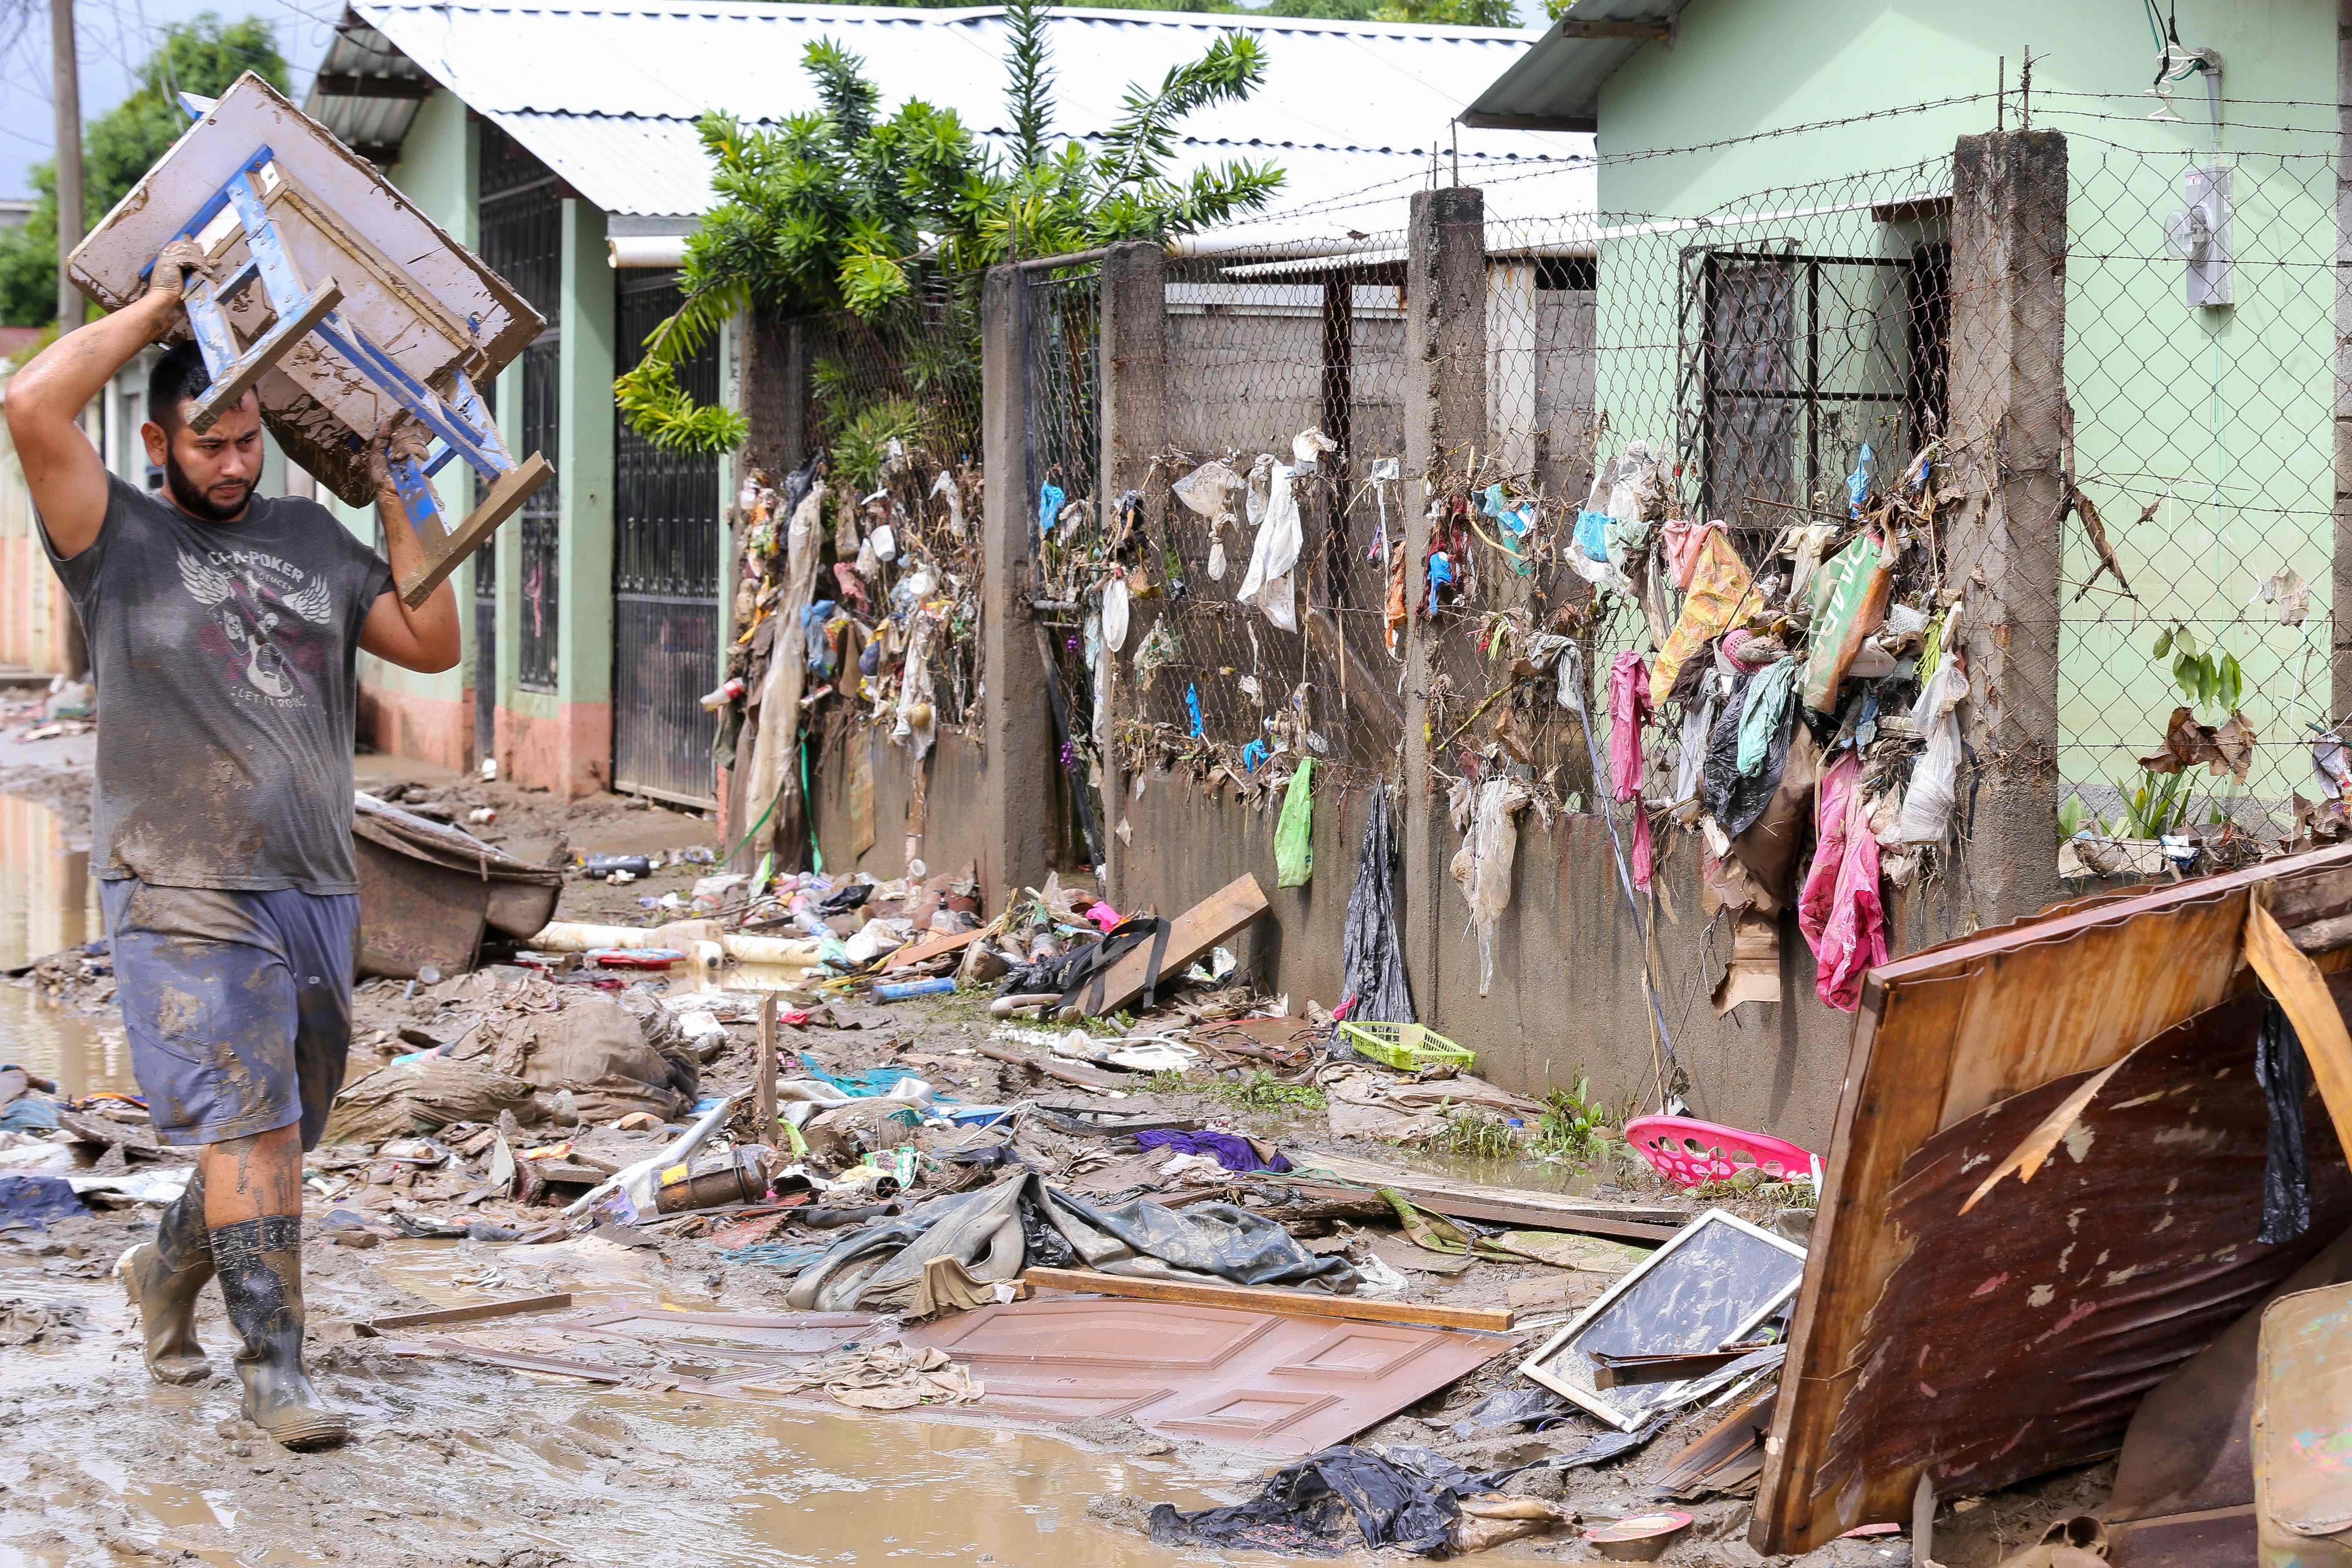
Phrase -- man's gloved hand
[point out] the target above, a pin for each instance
(403, 440)
(168, 280)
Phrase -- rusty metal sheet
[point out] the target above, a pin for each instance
(1247, 1380)
(2302, 1430)
(1944, 1034)
(2208, 1537)
(2021, 1336)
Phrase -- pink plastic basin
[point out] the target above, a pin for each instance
(1691, 1153)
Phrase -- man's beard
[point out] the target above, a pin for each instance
(194, 501)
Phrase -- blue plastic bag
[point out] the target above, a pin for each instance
(1592, 534)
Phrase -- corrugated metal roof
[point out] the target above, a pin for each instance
(606, 95)
(1556, 85)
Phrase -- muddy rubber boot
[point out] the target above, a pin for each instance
(261, 1264)
(162, 1278)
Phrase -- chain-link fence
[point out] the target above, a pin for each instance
(895, 406)
(2203, 395)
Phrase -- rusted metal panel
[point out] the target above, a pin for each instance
(1943, 1036)
(2020, 1335)
(2302, 1431)
(1248, 1380)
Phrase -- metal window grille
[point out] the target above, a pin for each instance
(542, 597)
(1061, 369)
(666, 621)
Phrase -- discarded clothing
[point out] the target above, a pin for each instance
(1481, 866)
(31, 1202)
(1330, 1503)
(862, 1081)
(1679, 543)
(996, 1231)
(1629, 707)
(1733, 799)
(1838, 910)
(1294, 833)
(1719, 593)
(30, 1113)
(1234, 1153)
(1369, 1103)
(1370, 957)
(2280, 1068)
(1761, 713)
(884, 1378)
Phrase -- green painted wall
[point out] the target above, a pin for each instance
(584, 460)
(437, 171)
(2221, 419)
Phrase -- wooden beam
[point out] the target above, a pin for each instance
(933, 947)
(763, 1098)
(1190, 936)
(410, 89)
(1079, 1073)
(473, 1314)
(1497, 1211)
(1266, 1298)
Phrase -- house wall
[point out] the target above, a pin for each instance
(402, 712)
(2219, 417)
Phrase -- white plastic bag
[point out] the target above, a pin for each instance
(1927, 805)
(1114, 614)
(1280, 538)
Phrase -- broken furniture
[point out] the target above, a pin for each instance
(1715, 1287)
(429, 892)
(348, 310)
(2044, 1194)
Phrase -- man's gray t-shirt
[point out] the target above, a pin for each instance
(225, 658)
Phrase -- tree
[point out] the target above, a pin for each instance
(203, 57)
(842, 210)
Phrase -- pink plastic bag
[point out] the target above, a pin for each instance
(1839, 909)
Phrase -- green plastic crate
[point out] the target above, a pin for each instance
(1408, 1047)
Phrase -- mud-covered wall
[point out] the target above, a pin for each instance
(953, 833)
(1566, 995)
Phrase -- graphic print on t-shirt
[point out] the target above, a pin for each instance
(263, 609)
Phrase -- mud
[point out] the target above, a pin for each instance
(465, 1463)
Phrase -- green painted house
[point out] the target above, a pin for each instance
(1774, 180)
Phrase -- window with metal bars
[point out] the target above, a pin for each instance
(1793, 362)
(542, 602)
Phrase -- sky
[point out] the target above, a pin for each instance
(114, 36)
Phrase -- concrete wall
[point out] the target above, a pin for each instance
(953, 834)
(1567, 997)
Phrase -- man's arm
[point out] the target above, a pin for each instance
(46, 398)
(425, 638)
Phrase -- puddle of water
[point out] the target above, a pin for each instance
(47, 901)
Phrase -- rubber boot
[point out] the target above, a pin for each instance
(162, 1278)
(261, 1264)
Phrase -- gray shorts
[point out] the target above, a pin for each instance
(238, 1005)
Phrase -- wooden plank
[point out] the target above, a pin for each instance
(763, 1101)
(933, 947)
(1415, 1184)
(1529, 1216)
(514, 488)
(473, 1314)
(1191, 935)
(1266, 1298)
(250, 365)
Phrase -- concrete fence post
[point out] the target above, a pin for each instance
(1134, 367)
(2007, 399)
(1016, 718)
(1445, 417)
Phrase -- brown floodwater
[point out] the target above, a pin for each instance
(49, 901)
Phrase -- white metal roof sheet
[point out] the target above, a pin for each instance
(606, 95)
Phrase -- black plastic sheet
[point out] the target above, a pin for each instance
(2284, 1075)
(1330, 1502)
(1371, 960)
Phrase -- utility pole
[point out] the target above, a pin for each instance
(65, 93)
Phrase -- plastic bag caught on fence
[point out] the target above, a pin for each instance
(1927, 804)
(1280, 538)
(1482, 868)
